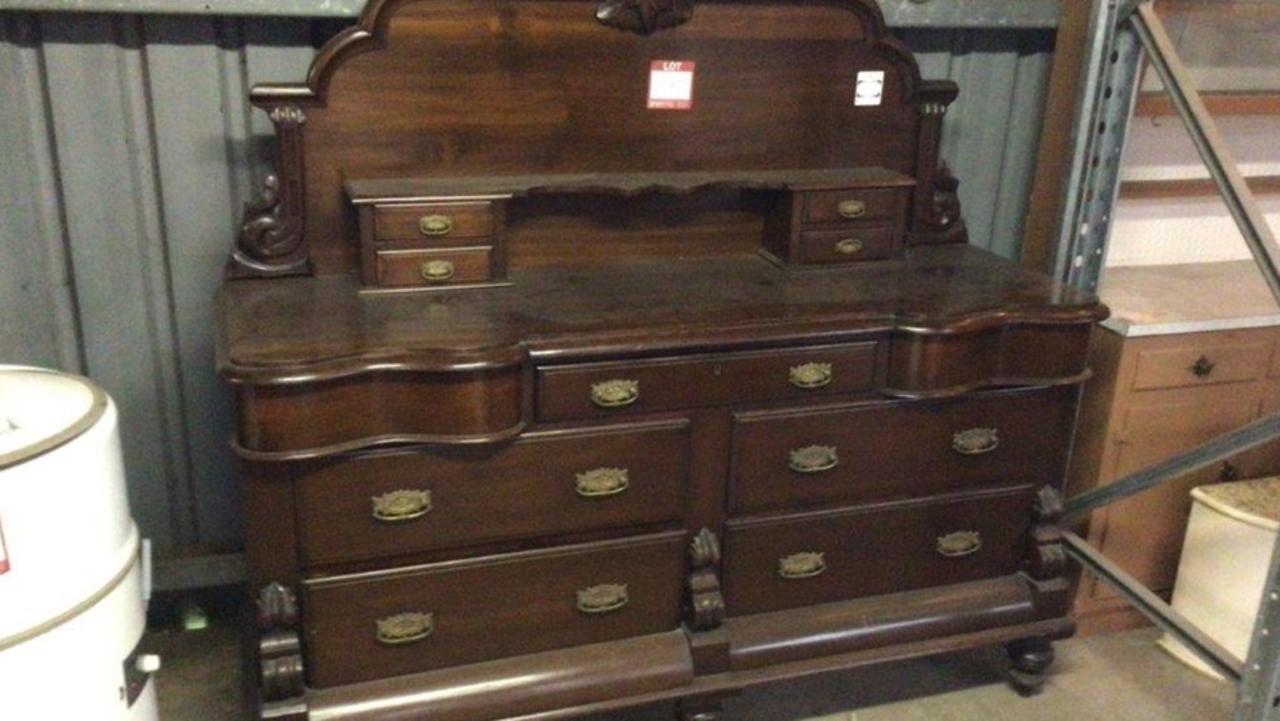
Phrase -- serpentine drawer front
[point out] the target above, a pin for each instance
(385, 504)
(882, 451)
(396, 622)
(828, 556)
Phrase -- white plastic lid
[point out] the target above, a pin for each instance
(1256, 502)
(43, 409)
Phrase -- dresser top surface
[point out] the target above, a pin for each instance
(274, 328)
(1187, 298)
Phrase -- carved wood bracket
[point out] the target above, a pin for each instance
(644, 17)
(281, 670)
(272, 238)
(706, 603)
(937, 215)
(1047, 558)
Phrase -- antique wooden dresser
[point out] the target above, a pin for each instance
(593, 354)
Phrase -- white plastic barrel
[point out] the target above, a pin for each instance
(1224, 564)
(72, 601)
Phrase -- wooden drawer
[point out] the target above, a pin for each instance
(437, 223)
(1200, 362)
(386, 504)
(836, 555)
(433, 267)
(838, 206)
(392, 623)
(883, 451)
(600, 389)
(853, 242)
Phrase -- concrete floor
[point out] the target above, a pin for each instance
(1118, 677)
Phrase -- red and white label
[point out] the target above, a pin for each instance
(671, 85)
(4, 553)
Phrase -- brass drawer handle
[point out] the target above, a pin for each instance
(602, 482)
(605, 598)
(849, 246)
(811, 375)
(404, 628)
(813, 459)
(959, 544)
(806, 564)
(434, 271)
(402, 505)
(852, 209)
(1203, 367)
(615, 393)
(976, 441)
(435, 225)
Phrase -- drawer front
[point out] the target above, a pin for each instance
(834, 556)
(385, 504)
(433, 267)
(839, 206)
(854, 242)
(1200, 363)
(873, 452)
(440, 223)
(374, 626)
(603, 389)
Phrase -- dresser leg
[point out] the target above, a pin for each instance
(1030, 661)
(702, 708)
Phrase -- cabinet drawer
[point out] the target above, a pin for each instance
(833, 556)
(385, 504)
(1200, 363)
(883, 451)
(433, 267)
(440, 223)
(387, 624)
(601, 389)
(838, 206)
(853, 242)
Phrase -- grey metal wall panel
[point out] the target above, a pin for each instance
(129, 149)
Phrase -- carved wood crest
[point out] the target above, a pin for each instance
(644, 16)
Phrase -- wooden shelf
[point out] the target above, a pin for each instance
(1191, 187)
(1157, 104)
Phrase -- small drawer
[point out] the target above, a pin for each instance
(1200, 364)
(403, 268)
(792, 459)
(601, 389)
(854, 242)
(391, 623)
(840, 206)
(834, 556)
(435, 222)
(385, 504)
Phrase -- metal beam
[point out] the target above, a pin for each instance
(1259, 694)
(1010, 14)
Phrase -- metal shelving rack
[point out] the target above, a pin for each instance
(1121, 34)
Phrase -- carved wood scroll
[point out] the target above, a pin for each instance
(644, 16)
(282, 675)
(272, 239)
(936, 218)
(706, 606)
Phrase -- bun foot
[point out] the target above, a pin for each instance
(1030, 661)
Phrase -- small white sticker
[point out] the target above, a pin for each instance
(670, 85)
(870, 88)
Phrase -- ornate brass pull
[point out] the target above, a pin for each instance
(602, 482)
(434, 271)
(615, 393)
(402, 505)
(806, 564)
(852, 209)
(811, 375)
(435, 225)
(1203, 367)
(849, 246)
(959, 544)
(813, 459)
(976, 441)
(605, 598)
(404, 628)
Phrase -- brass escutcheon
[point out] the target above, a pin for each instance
(849, 246)
(976, 441)
(404, 628)
(813, 459)
(402, 505)
(603, 598)
(805, 564)
(435, 225)
(602, 482)
(615, 393)
(959, 544)
(811, 375)
(435, 271)
(852, 209)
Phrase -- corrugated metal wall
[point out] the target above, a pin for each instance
(128, 150)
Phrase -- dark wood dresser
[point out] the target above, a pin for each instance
(592, 354)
